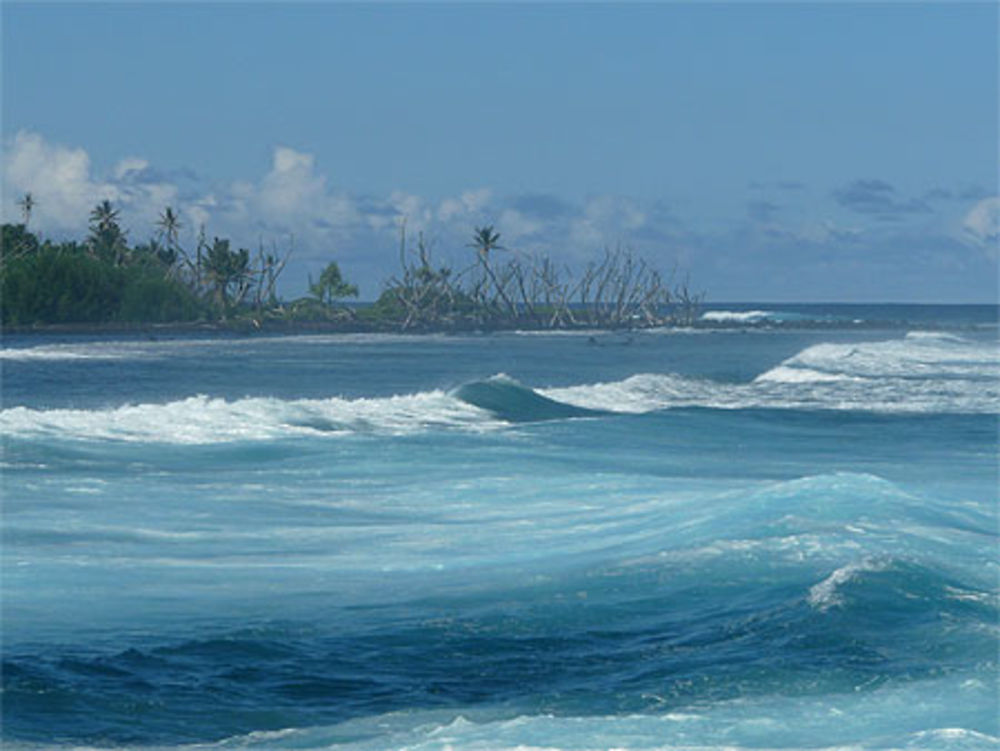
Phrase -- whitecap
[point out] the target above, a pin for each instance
(826, 594)
(202, 419)
(787, 374)
(58, 352)
(737, 316)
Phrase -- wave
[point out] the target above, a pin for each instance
(791, 724)
(926, 355)
(738, 316)
(202, 419)
(921, 373)
(508, 400)
(826, 594)
(757, 317)
(809, 613)
(910, 716)
(479, 405)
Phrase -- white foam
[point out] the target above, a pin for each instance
(918, 354)
(737, 316)
(786, 374)
(810, 380)
(826, 594)
(940, 336)
(57, 352)
(640, 393)
(201, 419)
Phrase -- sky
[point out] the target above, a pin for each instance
(784, 151)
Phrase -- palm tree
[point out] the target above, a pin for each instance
(169, 224)
(226, 268)
(106, 237)
(484, 240)
(104, 217)
(27, 204)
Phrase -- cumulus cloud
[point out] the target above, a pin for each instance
(292, 187)
(64, 189)
(58, 178)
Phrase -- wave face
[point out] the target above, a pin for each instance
(365, 544)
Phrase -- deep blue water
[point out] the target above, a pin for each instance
(778, 537)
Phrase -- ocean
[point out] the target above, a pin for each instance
(776, 530)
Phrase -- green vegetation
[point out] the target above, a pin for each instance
(105, 279)
(69, 282)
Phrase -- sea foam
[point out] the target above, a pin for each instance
(201, 419)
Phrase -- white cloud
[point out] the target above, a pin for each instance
(292, 187)
(64, 189)
(981, 225)
(57, 177)
(470, 204)
(605, 221)
(517, 226)
(130, 166)
(417, 213)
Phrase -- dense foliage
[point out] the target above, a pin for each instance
(105, 279)
(69, 282)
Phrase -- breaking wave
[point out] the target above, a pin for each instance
(738, 316)
(921, 373)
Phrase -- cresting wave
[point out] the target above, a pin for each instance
(921, 373)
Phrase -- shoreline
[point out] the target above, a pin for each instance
(245, 328)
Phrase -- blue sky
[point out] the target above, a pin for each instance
(774, 152)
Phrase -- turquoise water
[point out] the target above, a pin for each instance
(766, 538)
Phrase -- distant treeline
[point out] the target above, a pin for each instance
(107, 279)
